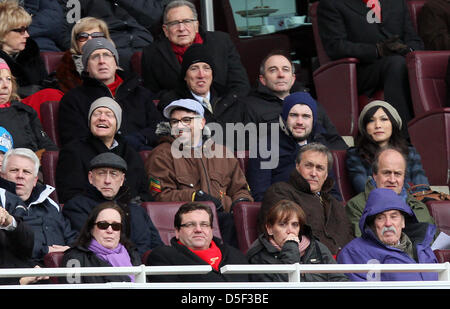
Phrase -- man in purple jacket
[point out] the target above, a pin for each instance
(391, 234)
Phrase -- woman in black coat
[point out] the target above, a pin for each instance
(102, 243)
(288, 240)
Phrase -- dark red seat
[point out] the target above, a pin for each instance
(442, 255)
(340, 171)
(49, 161)
(49, 120)
(430, 129)
(414, 7)
(440, 211)
(163, 214)
(51, 60)
(53, 260)
(245, 218)
(136, 66)
(145, 154)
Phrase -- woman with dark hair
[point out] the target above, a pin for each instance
(102, 243)
(287, 239)
(379, 126)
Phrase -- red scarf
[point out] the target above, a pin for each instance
(180, 50)
(212, 255)
(8, 104)
(115, 84)
(376, 7)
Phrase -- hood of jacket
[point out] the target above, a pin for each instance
(381, 200)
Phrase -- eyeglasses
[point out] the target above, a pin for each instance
(185, 121)
(192, 225)
(20, 30)
(84, 36)
(185, 22)
(103, 225)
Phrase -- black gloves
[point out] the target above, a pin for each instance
(199, 196)
(392, 46)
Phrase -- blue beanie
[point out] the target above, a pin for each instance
(299, 98)
(6, 140)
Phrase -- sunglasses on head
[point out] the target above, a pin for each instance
(20, 30)
(84, 36)
(103, 225)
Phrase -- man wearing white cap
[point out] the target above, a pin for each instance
(201, 171)
(102, 77)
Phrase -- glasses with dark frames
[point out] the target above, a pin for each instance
(185, 121)
(185, 22)
(103, 225)
(84, 36)
(20, 30)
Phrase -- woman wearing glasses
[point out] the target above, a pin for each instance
(20, 52)
(102, 243)
(69, 69)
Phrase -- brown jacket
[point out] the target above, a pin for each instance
(324, 214)
(176, 179)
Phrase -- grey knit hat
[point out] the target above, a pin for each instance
(108, 103)
(98, 43)
(108, 159)
(379, 103)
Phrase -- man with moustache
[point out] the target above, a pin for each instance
(391, 234)
(298, 127)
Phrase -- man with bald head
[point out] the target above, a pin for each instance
(389, 170)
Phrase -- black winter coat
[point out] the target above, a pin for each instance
(139, 114)
(25, 127)
(15, 249)
(177, 254)
(139, 226)
(161, 69)
(87, 258)
(263, 252)
(73, 167)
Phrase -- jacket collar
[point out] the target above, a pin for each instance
(301, 184)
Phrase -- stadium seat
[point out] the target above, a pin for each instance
(340, 171)
(414, 7)
(136, 59)
(49, 120)
(49, 161)
(163, 214)
(53, 260)
(51, 60)
(430, 129)
(440, 211)
(442, 255)
(245, 218)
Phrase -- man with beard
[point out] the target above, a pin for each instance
(298, 127)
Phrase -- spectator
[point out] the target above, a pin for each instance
(104, 118)
(389, 168)
(390, 235)
(379, 126)
(48, 20)
(104, 79)
(106, 183)
(161, 61)
(277, 80)
(130, 22)
(6, 143)
(20, 52)
(20, 119)
(202, 171)
(52, 232)
(287, 239)
(102, 243)
(309, 186)
(379, 37)
(298, 126)
(71, 67)
(16, 241)
(433, 23)
(194, 244)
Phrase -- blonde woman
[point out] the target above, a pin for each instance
(69, 70)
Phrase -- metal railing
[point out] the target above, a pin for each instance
(293, 270)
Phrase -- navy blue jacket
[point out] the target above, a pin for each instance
(142, 232)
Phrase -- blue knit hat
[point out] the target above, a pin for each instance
(299, 98)
(6, 140)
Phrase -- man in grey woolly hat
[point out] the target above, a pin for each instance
(110, 104)
(95, 44)
(100, 59)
